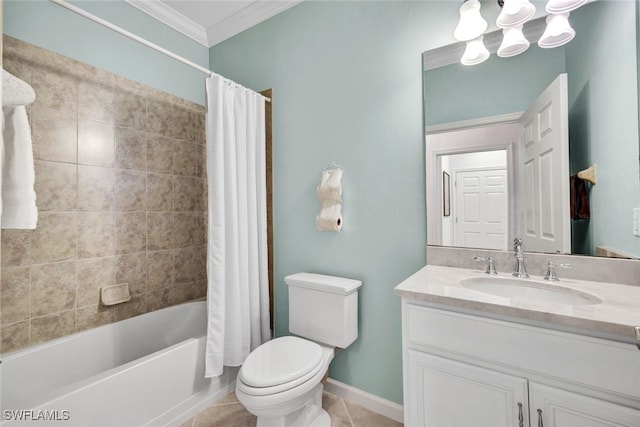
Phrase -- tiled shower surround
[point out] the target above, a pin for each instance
(121, 193)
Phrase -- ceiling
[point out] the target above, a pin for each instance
(210, 22)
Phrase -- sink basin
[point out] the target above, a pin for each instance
(528, 290)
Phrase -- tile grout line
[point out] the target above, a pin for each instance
(344, 405)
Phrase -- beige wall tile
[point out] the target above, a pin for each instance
(132, 269)
(201, 263)
(201, 228)
(56, 186)
(131, 190)
(159, 154)
(184, 264)
(96, 234)
(184, 193)
(202, 195)
(131, 149)
(96, 143)
(201, 160)
(93, 316)
(52, 326)
(55, 90)
(159, 192)
(159, 269)
(93, 274)
(160, 117)
(55, 135)
(159, 298)
(184, 158)
(131, 232)
(15, 336)
(200, 135)
(184, 124)
(159, 230)
(15, 286)
(137, 305)
(183, 292)
(184, 228)
(130, 109)
(114, 160)
(96, 99)
(96, 189)
(16, 247)
(54, 239)
(53, 288)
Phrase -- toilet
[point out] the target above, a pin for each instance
(280, 381)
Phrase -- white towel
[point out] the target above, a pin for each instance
(18, 206)
(16, 92)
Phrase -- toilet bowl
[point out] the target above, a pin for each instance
(280, 381)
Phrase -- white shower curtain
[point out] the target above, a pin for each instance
(237, 292)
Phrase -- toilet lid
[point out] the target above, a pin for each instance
(280, 361)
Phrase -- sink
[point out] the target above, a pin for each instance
(523, 289)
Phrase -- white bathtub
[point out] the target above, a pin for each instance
(143, 371)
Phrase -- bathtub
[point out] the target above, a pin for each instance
(143, 371)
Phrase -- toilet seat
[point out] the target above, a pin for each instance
(279, 365)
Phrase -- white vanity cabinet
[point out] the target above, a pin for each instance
(463, 370)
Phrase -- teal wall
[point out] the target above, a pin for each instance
(347, 87)
(497, 86)
(603, 121)
(48, 25)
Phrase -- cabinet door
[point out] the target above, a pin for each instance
(552, 407)
(444, 393)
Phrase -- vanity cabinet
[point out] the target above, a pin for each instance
(463, 370)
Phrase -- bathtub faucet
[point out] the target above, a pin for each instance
(518, 249)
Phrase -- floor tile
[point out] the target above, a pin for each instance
(229, 412)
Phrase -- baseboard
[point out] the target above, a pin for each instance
(367, 400)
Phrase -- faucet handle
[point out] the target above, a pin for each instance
(517, 244)
(551, 270)
(491, 268)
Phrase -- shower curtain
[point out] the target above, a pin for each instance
(237, 291)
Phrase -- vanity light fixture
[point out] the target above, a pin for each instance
(471, 25)
(564, 6)
(475, 52)
(513, 42)
(558, 31)
(514, 13)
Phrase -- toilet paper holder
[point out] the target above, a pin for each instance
(329, 191)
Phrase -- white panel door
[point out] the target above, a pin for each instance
(481, 209)
(544, 157)
(444, 393)
(552, 407)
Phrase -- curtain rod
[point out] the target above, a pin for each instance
(139, 39)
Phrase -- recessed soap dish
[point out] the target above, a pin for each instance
(115, 294)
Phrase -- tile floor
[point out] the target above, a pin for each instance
(230, 413)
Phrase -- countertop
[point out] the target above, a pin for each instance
(617, 314)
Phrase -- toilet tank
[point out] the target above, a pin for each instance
(323, 308)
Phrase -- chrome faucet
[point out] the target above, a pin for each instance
(518, 248)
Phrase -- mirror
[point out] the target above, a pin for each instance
(461, 102)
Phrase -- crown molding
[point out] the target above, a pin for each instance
(175, 20)
(246, 18)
